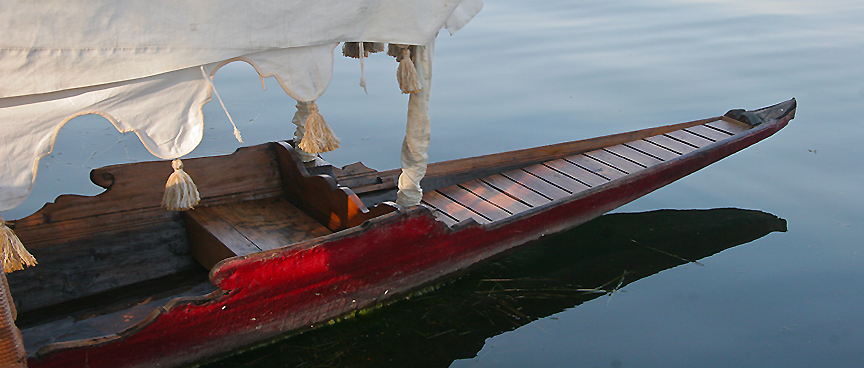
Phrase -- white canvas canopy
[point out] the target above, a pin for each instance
(145, 66)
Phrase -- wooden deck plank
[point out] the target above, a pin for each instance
(451, 208)
(213, 223)
(556, 178)
(270, 223)
(729, 125)
(595, 166)
(440, 215)
(610, 159)
(474, 202)
(671, 144)
(495, 196)
(710, 133)
(635, 155)
(578, 172)
(516, 190)
(664, 154)
(536, 184)
(690, 138)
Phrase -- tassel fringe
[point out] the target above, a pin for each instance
(318, 137)
(181, 194)
(15, 256)
(409, 81)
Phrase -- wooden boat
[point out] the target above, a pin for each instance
(563, 271)
(291, 247)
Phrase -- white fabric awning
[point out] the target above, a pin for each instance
(144, 64)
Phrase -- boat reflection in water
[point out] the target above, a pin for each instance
(557, 273)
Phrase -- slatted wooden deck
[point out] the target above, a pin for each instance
(499, 196)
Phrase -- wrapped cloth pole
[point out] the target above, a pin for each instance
(299, 120)
(415, 147)
(12, 352)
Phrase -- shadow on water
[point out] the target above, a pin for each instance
(560, 272)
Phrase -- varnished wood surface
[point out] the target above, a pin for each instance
(595, 166)
(499, 196)
(494, 163)
(516, 190)
(710, 133)
(632, 154)
(671, 144)
(653, 149)
(320, 197)
(536, 184)
(729, 125)
(619, 163)
(495, 196)
(690, 138)
(557, 178)
(452, 209)
(577, 172)
(223, 231)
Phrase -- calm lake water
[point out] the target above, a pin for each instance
(527, 73)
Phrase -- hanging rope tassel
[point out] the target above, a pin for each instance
(15, 256)
(318, 137)
(406, 74)
(181, 194)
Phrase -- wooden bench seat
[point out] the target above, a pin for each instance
(235, 229)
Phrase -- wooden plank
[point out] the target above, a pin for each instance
(208, 248)
(251, 172)
(634, 155)
(451, 208)
(689, 138)
(623, 165)
(536, 184)
(516, 190)
(729, 125)
(671, 144)
(489, 164)
(270, 223)
(597, 167)
(495, 196)
(577, 172)
(440, 215)
(558, 179)
(474, 203)
(653, 150)
(710, 133)
(319, 196)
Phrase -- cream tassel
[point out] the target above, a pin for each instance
(15, 256)
(406, 74)
(181, 194)
(318, 137)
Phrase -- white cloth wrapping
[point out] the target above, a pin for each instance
(138, 63)
(415, 147)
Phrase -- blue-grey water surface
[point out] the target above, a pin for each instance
(527, 73)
